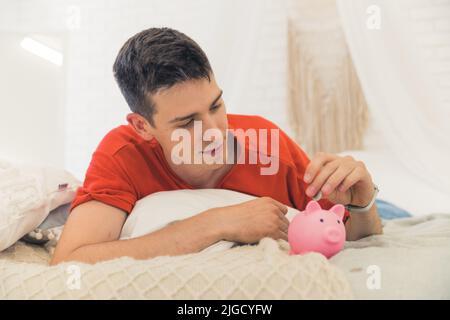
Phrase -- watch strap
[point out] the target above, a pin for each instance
(359, 209)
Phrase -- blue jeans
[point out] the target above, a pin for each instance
(388, 211)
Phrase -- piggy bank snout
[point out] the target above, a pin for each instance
(332, 235)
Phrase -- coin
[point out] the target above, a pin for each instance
(318, 196)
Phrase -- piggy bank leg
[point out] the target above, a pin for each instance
(291, 252)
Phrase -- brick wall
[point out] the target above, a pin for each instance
(253, 79)
(253, 82)
(430, 21)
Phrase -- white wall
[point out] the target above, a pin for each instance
(31, 105)
(245, 41)
(253, 77)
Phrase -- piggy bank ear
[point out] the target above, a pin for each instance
(339, 210)
(312, 206)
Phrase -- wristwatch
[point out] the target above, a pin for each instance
(358, 209)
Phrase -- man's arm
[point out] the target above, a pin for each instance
(92, 231)
(93, 228)
(360, 225)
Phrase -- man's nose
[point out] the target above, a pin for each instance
(208, 123)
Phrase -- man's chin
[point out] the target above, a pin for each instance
(214, 166)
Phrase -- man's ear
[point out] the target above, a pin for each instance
(140, 125)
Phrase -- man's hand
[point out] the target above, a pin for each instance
(345, 180)
(342, 180)
(253, 220)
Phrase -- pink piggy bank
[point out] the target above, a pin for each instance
(317, 230)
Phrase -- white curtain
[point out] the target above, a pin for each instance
(399, 85)
(327, 108)
(235, 45)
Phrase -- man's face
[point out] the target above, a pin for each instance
(177, 110)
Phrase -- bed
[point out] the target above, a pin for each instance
(409, 261)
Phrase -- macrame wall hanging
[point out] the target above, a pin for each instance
(327, 108)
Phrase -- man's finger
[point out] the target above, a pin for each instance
(317, 162)
(280, 235)
(284, 222)
(284, 236)
(320, 179)
(350, 180)
(281, 206)
(335, 179)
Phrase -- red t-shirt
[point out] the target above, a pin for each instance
(125, 168)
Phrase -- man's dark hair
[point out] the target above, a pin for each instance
(153, 59)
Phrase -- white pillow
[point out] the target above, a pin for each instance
(159, 209)
(27, 195)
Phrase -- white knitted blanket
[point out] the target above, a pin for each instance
(263, 271)
(410, 260)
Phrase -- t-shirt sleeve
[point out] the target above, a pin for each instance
(298, 186)
(107, 182)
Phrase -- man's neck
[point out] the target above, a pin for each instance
(204, 180)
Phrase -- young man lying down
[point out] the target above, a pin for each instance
(179, 136)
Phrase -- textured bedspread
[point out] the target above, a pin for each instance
(264, 271)
(410, 260)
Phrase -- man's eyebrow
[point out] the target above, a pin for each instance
(195, 113)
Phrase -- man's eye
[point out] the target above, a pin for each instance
(187, 124)
(217, 106)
